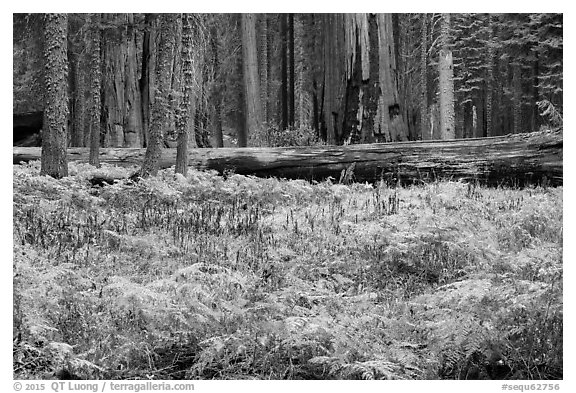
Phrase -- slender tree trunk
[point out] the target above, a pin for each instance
(535, 94)
(79, 103)
(291, 84)
(216, 96)
(517, 101)
(161, 105)
(54, 160)
(253, 110)
(446, 82)
(132, 97)
(184, 109)
(284, 71)
(490, 78)
(424, 123)
(95, 83)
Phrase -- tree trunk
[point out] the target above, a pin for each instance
(216, 97)
(79, 136)
(284, 71)
(291, 84)
(147, 79)
(490, 78)
(253, 108)
(54, 159)
(517, 101)
(263, 46)
(184, 108)
(529, 158)
(95, 83)
(113, 81)
(446, 82)
(161, 104)
(424, 123)
(334, 83)
(372, 90)
(390, 116)
(132, 97)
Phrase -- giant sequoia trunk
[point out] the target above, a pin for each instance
(390, 116)
(515, 159)
(132, 97)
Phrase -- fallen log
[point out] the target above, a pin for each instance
(513, 159)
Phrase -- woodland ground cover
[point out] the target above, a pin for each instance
(234, 277)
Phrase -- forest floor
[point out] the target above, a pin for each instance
(211, 277)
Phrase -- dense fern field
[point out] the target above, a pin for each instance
(234, 277)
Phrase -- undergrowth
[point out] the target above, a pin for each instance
(206, 277)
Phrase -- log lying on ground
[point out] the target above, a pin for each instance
(520, 159)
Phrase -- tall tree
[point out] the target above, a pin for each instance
(391, 113)
(95, 82)
(424, 123)
(263, 56)
(54, 161)
(446, 81)
(333, 84)
(490, 76)
(113, 83)
(253, 107)
(291, 73)
(284, 122)
(184, 108)
(215, 94)
(161, 104)
(147, 78)
(132, 97)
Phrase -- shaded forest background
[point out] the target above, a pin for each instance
(310, 78)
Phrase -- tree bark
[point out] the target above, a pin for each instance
(54, 159)
(334, 73)
(79, 137)
(184, 109)
(95, 83)
(161, 105)
(391, 121)
(424, 123)
(517, 101)
(215, 93)
(291, 84)
(529, 158)
(147, 80)
(490, 77)
(113, 81)
(446, 82)
(253, 108)
(132, 97)
(284, 71)
(263, 49)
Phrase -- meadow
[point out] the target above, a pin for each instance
(236, 277)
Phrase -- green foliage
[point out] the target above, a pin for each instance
(236, 277)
